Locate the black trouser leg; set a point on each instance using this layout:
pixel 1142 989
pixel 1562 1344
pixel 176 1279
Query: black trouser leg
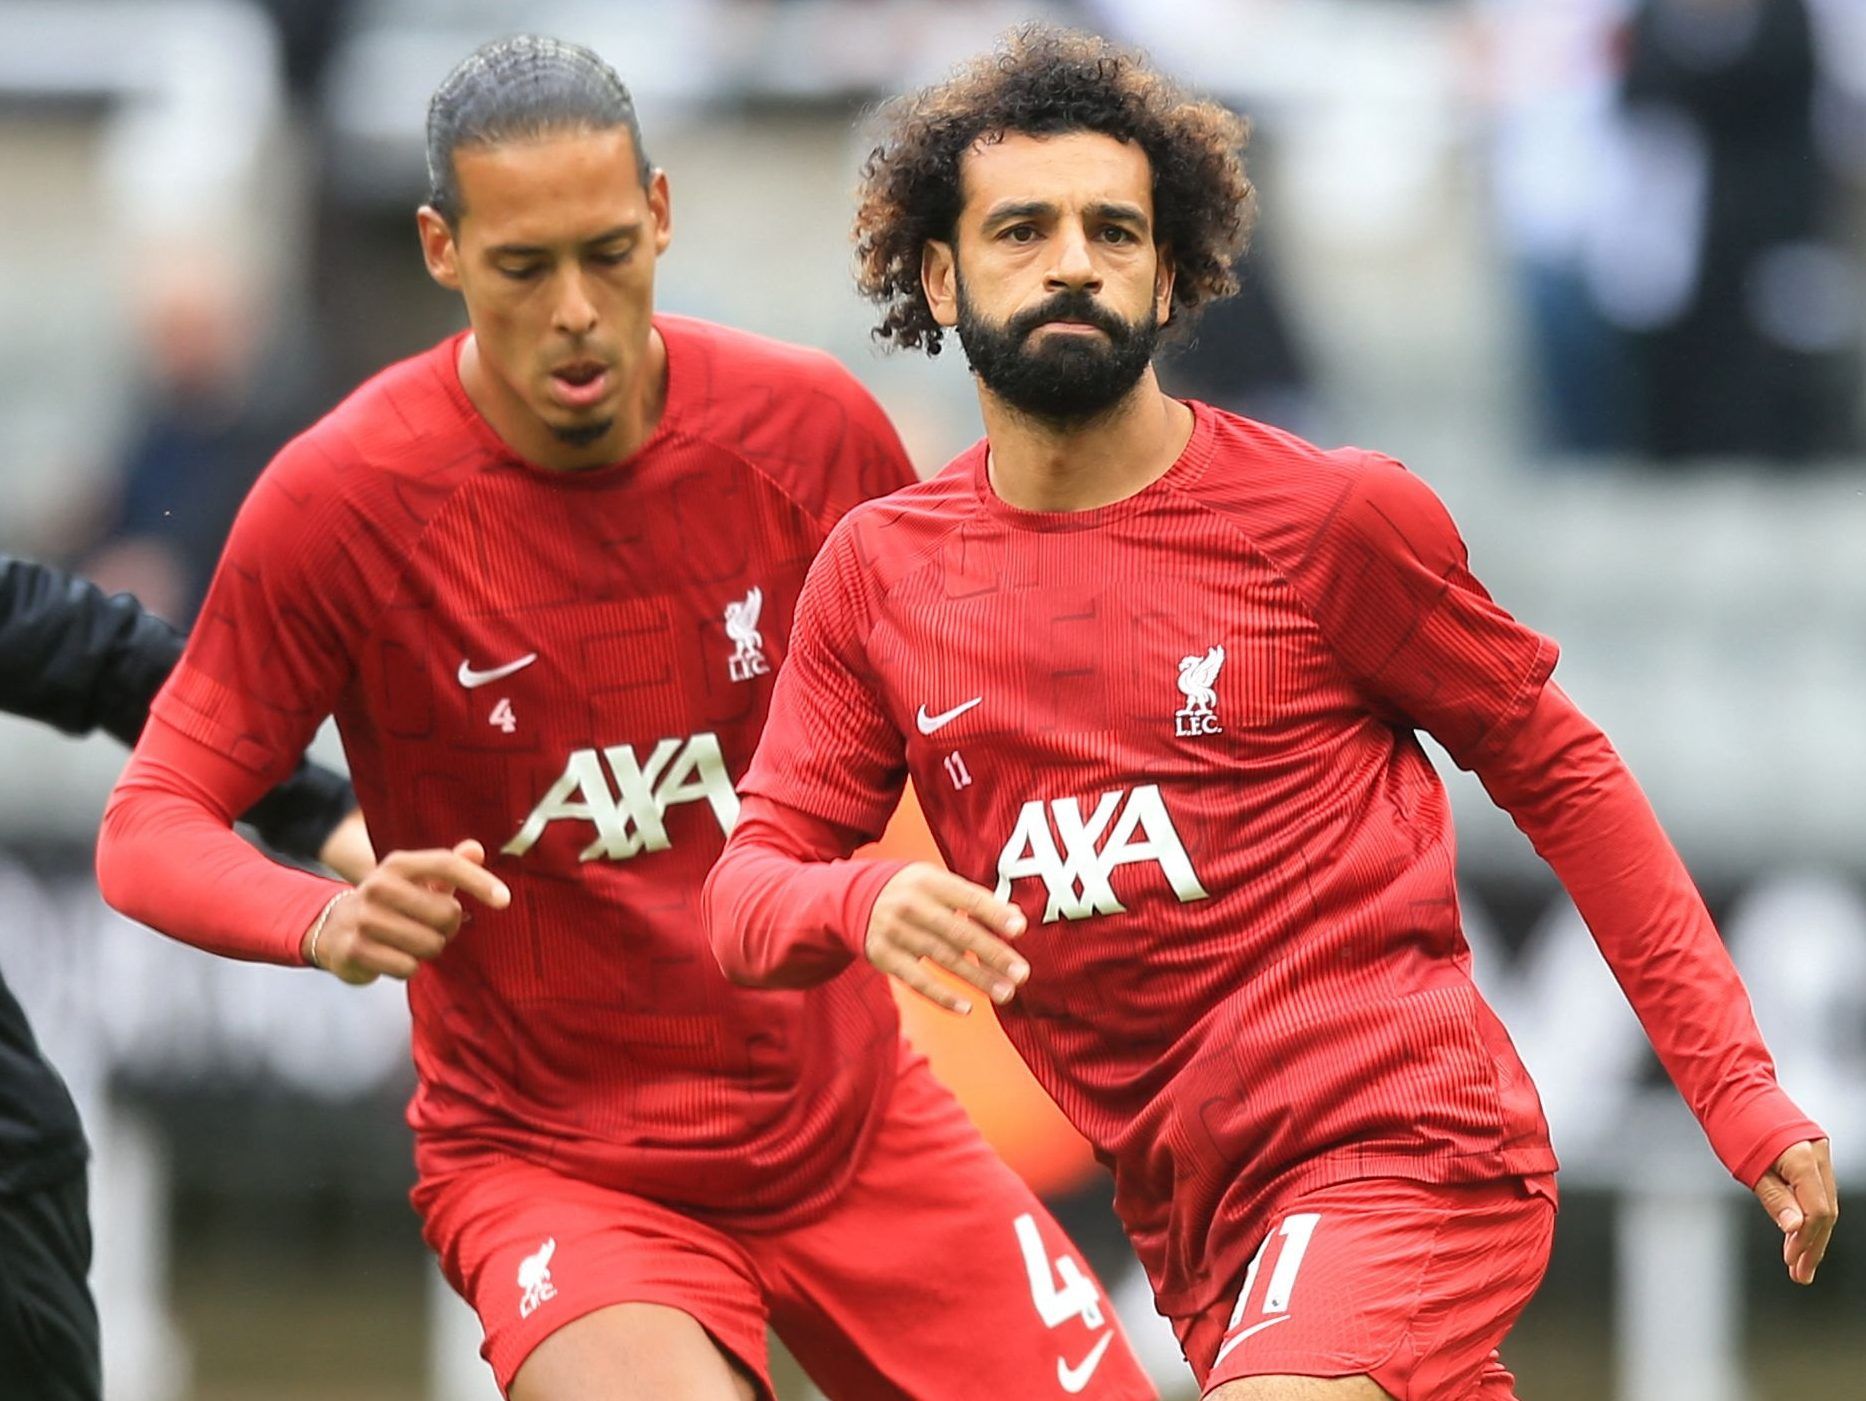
pixel 49 1347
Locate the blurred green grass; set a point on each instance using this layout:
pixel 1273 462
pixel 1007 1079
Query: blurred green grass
pixel 300 1275
pixel 266 1329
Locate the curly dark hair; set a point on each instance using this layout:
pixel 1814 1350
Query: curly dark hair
pixel 1040 81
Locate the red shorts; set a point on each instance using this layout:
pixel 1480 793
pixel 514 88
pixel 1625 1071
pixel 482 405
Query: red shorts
pixel 1413 1284
pixel 937 1274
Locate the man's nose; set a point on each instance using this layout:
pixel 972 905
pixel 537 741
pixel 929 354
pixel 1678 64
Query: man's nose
pixel 1073 267
pixel 575 312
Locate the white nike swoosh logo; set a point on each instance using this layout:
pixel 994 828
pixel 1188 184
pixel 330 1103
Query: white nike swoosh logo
pixel 1225 1351
pixel 471 678
pixel 929 723
pixel 1073 1379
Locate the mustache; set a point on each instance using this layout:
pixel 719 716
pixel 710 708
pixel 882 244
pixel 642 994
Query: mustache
pixel 1075 305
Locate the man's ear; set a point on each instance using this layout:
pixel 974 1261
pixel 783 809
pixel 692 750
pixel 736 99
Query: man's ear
pixel 438 249
pixel 1164 278
pixel 661 206
pixel 939 279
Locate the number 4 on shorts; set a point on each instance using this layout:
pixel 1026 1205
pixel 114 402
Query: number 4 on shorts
pixel 1296 1232
pixel 1066 1293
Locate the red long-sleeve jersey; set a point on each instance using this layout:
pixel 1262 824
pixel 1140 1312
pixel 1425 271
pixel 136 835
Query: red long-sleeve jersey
pixel 572 668
pixel 1179 732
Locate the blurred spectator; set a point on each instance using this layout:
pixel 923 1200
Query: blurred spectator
pixel 1743 319
pixel 1245 356
pixel 217 403
pixel 309 31
pixel 1547 73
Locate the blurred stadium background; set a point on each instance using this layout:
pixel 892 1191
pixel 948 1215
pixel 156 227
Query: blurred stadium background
pixel 1595 268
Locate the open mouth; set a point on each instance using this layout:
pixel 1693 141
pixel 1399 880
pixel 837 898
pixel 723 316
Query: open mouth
pixel 580 383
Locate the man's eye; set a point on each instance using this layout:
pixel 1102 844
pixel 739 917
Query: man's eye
pixel 1020 233
pixel 1115 234
pixel 522 273
pixel 612 260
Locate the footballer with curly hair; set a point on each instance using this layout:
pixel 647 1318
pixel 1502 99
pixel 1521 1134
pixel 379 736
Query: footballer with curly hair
pixel 1159 673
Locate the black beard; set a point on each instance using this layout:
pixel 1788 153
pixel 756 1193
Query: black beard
pixel 1063 380
pixel 584 436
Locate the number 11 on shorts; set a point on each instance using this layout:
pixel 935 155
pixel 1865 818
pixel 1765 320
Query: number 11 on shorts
pixel 1295 1234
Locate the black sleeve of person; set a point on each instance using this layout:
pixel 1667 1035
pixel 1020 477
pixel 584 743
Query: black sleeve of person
pixel 80 660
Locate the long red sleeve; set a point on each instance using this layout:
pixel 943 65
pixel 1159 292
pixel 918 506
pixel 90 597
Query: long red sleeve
pixel 783 907
pixel 167 854
pixel 1561 781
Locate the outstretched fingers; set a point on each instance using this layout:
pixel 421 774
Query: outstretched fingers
pixel 927 918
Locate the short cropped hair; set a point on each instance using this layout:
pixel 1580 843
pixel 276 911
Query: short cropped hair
pixel 1044 81
pixel 519 89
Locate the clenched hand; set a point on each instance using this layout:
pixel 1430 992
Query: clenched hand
pixel 403 913
pixel 1800 1196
